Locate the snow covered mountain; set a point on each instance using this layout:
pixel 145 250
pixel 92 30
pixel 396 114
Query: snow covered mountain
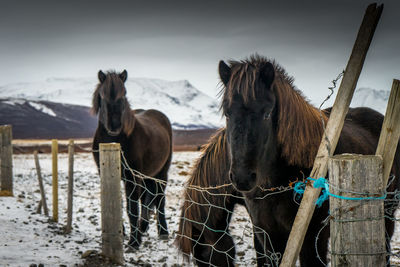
pixel 186 106
pixel 44 119
pixel 368 97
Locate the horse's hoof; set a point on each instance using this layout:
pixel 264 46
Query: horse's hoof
pixel 133 247
pixel 163 236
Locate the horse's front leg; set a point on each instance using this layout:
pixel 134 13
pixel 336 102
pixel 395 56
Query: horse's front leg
pixel 258 246
pixel 132 202
pixel 309 256
pixel 160 206
pixel 270 246
pixel 269 241
pixel 147 203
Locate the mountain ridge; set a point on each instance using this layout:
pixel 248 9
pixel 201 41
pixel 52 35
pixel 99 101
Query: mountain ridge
pixel 186 106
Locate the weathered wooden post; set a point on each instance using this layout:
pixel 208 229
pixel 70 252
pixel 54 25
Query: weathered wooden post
pixel 70 185
pixel 54 153
pixel 390 132
pixel 6 176
pixel 111 210
pixel 40 180
pixel 332 133
pixel 357 213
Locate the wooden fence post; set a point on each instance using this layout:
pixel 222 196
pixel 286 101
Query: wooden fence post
pixel 111 210
pixel 6 176
pixel 40 180
pixel 390 132
pixel 70 185
pixel 332 133
pixel 54 153
pixel 357 226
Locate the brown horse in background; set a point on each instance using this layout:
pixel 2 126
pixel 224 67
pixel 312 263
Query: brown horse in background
pixel 206 213
pixel 273 135
pixel 146 142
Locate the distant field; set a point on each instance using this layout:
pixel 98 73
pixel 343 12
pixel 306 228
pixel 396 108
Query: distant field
pixel 184 140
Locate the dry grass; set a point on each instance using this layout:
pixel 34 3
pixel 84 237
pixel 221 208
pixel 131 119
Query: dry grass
pixel 5 193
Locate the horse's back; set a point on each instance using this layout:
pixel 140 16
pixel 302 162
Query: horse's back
pixel 361 132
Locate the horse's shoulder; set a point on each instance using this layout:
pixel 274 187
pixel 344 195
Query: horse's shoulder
pixel 152 114
pixel 153 117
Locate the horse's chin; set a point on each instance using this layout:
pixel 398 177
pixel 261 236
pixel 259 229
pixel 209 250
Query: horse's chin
pixel 243 190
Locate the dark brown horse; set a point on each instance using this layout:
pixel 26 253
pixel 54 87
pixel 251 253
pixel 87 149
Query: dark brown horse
pixel 146 142
pixel 206 213
pixel 273 135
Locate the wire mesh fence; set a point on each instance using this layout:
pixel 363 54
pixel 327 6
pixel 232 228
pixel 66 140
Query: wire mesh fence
pixel 220 234
pixel 207 210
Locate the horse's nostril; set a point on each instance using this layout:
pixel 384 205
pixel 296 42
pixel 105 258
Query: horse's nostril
pixel 253 176
pixel 231 176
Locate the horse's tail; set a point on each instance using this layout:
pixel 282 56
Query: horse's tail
pixel 211 169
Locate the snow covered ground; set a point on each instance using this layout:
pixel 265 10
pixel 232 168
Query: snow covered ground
pixel 28 238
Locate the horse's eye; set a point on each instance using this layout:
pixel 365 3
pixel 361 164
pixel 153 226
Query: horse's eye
pixel 227 115
pixel 267 115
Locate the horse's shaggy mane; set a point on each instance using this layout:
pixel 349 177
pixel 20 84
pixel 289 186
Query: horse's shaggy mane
pixel 210 170
pixel 299 124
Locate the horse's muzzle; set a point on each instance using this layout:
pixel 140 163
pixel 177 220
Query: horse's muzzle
pixel 114 133
pixel 243 182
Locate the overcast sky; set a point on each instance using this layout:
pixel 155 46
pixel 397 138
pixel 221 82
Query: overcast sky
pixel 176 40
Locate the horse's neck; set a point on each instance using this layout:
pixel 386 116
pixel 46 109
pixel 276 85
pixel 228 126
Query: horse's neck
pixel 300 127
pixel 129 122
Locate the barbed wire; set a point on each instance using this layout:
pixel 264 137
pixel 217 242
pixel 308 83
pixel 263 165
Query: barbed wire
pixel 332 91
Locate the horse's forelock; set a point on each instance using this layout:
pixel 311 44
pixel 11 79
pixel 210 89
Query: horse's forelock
pixel 113 87
pixel 245 79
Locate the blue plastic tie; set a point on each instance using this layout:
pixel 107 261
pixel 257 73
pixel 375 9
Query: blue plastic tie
pixel 299 188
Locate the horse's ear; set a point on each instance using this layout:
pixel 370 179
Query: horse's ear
pixel 102 76
pixel 123 75
pixel 267 74
pixel 224 72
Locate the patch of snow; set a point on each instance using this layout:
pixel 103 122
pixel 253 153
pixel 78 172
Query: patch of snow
pixel 14 102
pixel 42 108
pixel 372 98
